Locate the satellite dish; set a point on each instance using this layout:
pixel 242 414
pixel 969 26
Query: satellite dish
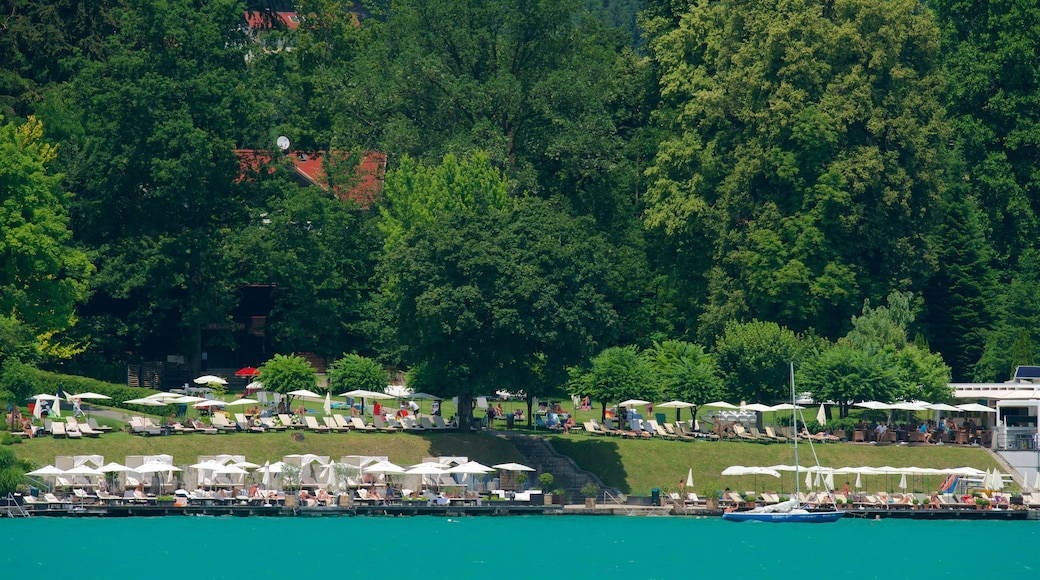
pixel 283 144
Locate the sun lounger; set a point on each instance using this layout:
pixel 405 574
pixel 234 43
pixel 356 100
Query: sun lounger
pixel 88 431
pixel 58 430
pixel 138 426
pixel 742 434
pixel 245 424
pixel 439 423
pixel 333 425
pixel 593 429
pixel 660 431
pixel 271 424
pixel 426 423
pixel 760 436
pixel 287 420
pixel 221 423
pixel 410 424
pixel 342 422
pixel 360 425
pixel 311 424
pixel 777 437
pixel 381 425
pixel 94 425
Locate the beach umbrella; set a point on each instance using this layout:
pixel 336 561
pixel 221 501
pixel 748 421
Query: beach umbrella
pixel 87 395
pixel 786 407
pixel 874 405
pixel 678 406
pixel 363 394
pixel 47 471
pixel 996 481
pixel 721 405
pixel 145 402
pixel 243 401
pixel 758 407
pixel 1036 482
pixel 689 478
pixel 902 482
pixel 209 403
pixel 83 470
pixel 470 467
pixel 247 372
pixel 976 408
pixel 328 404
pixel 821 415
pixel 305 394
pixel 254 386
pixel 513 467
pixel 209 379
pixel 808 480
pixel 633 403
pixel 383 467
pixel 859 483
pixel 828 481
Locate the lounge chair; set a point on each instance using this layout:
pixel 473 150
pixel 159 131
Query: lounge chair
pixel 439 423
pixel 426 423
pixel 94 425
pixel 660 431
pixel 342 422
pixel 593 429
pixel 58 430
pixel 333 425
pixel 220 422
pixel 87 431
pixel 311 424
pixel 271 424
pixel 246 425
pixel 410 424
pixel 360 425
pixel 181 429
pixel 771 433
pixel 139 426
pixel 287 420
pixel 742 434
pixel 673 430
pixel 381 425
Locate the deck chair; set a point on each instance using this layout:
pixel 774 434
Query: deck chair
pixel 311 424
pixel 246 425
pixel 439 423
pixel 360 425
pixel 182 429
pixel 638 430
pixel 381 425
pixel 410 424
pixel 58 430
pixel 760 436
pixel 425 423
pixel 221 423
pixel 333 425
pixel 742 434
pixel 271 424
pixel 87 431
pixel 287 420
pixel 94 425
pixel 342 422
pixel 592 429
pixel 771 433
pixel 660 431
pixel 673 430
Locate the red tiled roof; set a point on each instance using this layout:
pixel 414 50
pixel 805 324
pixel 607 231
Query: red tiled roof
pixel 267 19
pixel 309 168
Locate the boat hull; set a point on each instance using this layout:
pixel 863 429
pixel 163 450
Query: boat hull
pixel 792 518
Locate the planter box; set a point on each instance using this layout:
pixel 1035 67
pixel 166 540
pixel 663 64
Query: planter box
pixel 547 498
pixel 590 502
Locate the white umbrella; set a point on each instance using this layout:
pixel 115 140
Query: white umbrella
pixel 426 469
pixel 188 399
pixel 83 470
pixel 208 379
pixel 163 397
pixel 513 467
pixel 209 403
pixel 363 394
pixel 808 480
pixel 859 483
pixel 304 394
pixel 156 467
pixel 758 407
pixel 689 478
pixel 47 470
pixel 976 408
pixel 56 408
pixel 821 415
pixel 266 477
pixel 943 407
pixel 328 404
pixel 114 467
pixel 828 481
pixel 721 405
pixel 255 386
pixel 633 403
pixel 470 467
pixel 873 405
pixel 1036 483
pixel 902 481
pixel 243 401
pixel 786 407
pixel 44 397
pixel 383 467
pixel 87 395
pixel 145 402
pixel 996 481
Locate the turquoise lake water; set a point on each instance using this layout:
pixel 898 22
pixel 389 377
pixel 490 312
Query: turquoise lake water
pixel 512 547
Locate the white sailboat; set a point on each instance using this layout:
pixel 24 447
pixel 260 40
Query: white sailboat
pixel 790 511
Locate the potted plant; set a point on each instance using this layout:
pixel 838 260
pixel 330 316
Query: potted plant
pixel 164 500
pixel 590 491
pixel 545 481
pixel 291 479
pixel 711 498
pixel 981 503
pixel 559 496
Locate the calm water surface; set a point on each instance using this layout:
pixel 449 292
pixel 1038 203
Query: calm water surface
pixel 512 547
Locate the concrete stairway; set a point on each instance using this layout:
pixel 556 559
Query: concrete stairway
pixel 539 453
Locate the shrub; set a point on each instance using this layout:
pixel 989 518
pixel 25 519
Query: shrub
pixel 545 480
pixel 590 490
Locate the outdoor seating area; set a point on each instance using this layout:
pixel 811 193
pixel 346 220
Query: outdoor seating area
pixel 295 480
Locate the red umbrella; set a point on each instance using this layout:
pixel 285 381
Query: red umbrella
pixel 248 372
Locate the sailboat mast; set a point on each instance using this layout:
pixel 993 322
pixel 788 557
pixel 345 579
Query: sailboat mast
pixel 794 422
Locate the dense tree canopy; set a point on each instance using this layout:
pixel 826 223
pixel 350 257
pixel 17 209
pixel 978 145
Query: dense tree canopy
pixel 740 175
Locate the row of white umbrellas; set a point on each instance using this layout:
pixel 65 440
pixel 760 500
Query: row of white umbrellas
pixel 925 406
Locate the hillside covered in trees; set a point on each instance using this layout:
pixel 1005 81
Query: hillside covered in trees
pixel 695 192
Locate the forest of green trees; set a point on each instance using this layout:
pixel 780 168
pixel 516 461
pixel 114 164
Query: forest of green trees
pixel 693 191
